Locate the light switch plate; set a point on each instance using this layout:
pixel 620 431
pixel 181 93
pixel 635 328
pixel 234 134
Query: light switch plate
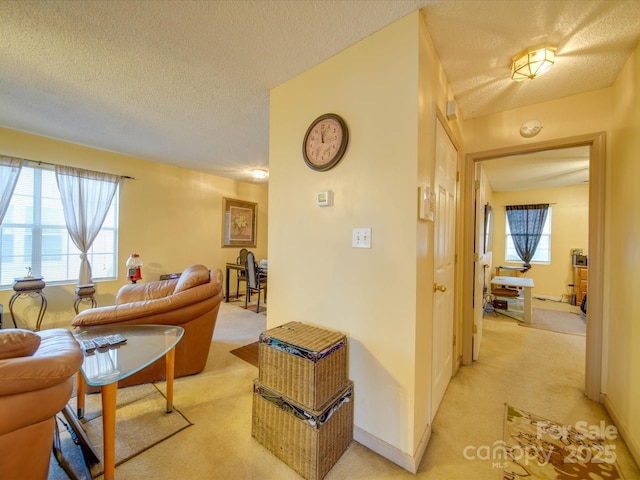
pixel 361 238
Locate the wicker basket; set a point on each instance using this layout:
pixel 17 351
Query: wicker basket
pixel 309 441
pixel 306 364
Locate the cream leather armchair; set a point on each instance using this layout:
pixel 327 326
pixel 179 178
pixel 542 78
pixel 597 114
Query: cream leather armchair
pixel 36 380
pixel 191 301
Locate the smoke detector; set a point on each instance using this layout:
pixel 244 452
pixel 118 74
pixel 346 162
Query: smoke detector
pixel 530 128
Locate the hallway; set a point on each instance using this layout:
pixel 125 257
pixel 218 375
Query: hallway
pixel 538 371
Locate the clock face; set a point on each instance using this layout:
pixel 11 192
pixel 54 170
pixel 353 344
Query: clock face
pixel 325 142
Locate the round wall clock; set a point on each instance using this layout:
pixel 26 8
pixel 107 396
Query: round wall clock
pixel 325 142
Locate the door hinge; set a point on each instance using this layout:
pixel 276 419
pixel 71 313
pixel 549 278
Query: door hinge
pixel 475 329
pixel 454 340
pixel 476 184
pixel 457 176
pixel 476 257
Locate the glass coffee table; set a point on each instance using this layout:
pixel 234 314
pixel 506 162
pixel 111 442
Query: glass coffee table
pixel 105 367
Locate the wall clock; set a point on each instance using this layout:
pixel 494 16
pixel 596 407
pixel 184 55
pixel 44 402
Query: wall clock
pixel 325 142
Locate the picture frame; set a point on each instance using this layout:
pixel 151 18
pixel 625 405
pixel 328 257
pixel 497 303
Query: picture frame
pixel 239 223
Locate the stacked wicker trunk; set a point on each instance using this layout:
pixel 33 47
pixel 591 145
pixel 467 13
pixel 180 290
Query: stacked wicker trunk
pixel 303 399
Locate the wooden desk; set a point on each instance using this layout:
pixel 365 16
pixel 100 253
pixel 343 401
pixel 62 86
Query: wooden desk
pixel 519 282
pixel 230 266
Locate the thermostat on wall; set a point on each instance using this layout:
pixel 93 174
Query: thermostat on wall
pixel 325 198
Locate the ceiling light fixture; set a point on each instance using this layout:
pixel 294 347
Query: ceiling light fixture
pixel 532 63
pixel 259 174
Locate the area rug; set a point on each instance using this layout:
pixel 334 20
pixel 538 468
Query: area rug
pixel 248 353
pixel 537 448
pixel 557 321
pixel 254 307
pixel 141 423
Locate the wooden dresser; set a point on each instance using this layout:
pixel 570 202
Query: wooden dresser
pixel 580 281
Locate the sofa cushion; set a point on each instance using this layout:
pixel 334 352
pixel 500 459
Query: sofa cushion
pixel 192 277
pixel 18 343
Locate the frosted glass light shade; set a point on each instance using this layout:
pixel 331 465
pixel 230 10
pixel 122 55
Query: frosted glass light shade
pixel 259 173
pixel 532 63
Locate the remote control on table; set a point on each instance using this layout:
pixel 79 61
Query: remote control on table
pixel 101 342
pixel 88 345
pixel 116 339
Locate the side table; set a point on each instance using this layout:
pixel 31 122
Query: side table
pixel 85 292
pixel 29 287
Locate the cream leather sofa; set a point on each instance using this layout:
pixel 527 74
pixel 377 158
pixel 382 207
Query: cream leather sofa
pixel 36 380
pixel 191 301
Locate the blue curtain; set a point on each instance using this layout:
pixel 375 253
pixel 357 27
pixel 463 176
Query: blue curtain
pixel 526 223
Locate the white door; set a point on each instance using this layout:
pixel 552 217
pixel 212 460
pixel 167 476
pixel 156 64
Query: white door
pixel 444 266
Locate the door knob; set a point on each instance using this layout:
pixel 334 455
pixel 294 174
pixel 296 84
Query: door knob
pixel 439 288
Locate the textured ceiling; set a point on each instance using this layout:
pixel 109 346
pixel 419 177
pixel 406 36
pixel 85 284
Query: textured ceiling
pixel 476 41
pixel 187 82
pixel 556 168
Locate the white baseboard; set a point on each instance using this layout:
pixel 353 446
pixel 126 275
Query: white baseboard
pixel 391 453
pixel 632 445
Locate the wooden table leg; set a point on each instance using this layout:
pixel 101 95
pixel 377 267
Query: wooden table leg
pixel 109 393
pixel 80 389
pixel 171 363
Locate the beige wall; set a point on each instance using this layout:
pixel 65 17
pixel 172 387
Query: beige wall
pixel 170 216
pixel 569 229
pixel 623 387
pixel 385 88
pixel 569 116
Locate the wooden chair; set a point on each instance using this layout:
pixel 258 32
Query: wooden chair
pixel 242 274
pixel 256 281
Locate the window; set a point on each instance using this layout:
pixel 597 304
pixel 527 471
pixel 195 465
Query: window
pixel 33 234
pixel 543 252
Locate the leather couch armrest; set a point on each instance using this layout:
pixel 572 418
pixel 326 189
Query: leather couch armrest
pixel 58 357
pixel 137 292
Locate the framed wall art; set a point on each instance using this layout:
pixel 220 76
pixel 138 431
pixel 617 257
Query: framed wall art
pixel 239 223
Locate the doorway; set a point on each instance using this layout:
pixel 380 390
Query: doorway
pixel 594 348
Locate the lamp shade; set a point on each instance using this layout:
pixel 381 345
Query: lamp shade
pixel 532 63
